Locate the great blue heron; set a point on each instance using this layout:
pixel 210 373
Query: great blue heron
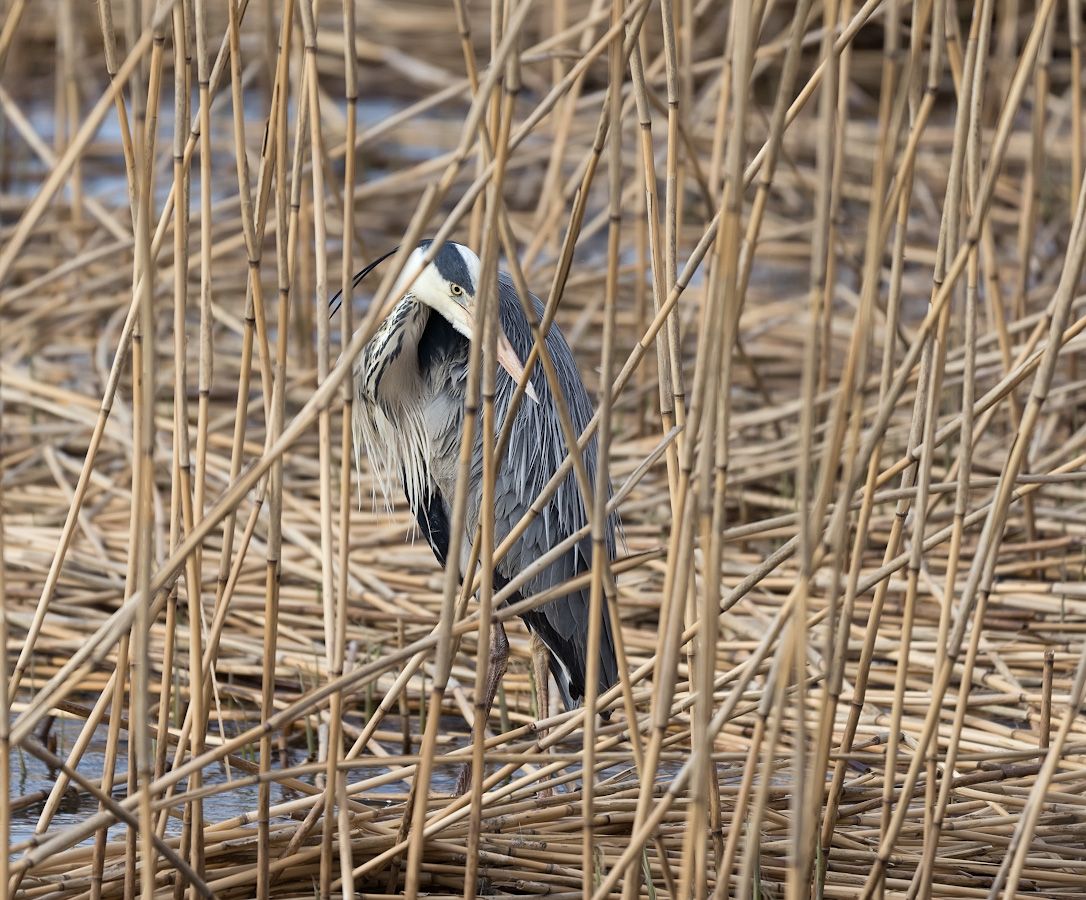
pixel 410 383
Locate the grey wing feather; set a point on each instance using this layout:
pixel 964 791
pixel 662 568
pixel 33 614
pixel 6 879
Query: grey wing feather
pixel 536 449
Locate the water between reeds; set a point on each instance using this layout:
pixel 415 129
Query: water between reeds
pixel 32 780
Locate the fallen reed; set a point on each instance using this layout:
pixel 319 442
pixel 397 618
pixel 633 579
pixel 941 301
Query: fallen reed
pixel 820 264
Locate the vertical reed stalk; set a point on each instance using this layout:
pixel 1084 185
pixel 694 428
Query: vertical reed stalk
pixel 833 578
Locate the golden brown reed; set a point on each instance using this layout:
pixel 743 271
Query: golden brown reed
pixel 850 235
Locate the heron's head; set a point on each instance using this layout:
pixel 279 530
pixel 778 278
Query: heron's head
pixel 448 285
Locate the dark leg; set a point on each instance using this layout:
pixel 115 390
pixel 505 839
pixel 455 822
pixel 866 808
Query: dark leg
pixel 499 661
pixel 541 667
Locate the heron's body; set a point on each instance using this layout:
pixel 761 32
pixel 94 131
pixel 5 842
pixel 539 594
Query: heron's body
pixel 411 382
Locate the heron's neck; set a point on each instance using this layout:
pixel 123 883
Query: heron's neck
pixel 397 375
pixel 387 370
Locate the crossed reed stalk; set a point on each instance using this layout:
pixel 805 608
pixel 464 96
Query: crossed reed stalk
pixel 820 263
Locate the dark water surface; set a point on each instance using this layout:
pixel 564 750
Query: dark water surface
pixel 32 780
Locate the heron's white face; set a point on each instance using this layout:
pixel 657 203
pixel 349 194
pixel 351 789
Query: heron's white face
pixel 448 285
pixel 450 278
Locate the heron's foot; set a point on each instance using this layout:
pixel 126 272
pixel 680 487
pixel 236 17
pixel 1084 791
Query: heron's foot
pixel 463 780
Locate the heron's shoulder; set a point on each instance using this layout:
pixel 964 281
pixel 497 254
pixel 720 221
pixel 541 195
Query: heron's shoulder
pixel 517 327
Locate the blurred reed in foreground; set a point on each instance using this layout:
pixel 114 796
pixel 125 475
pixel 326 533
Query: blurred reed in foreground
pixel 842 244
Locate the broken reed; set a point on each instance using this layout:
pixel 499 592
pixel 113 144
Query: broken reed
pixel 850 238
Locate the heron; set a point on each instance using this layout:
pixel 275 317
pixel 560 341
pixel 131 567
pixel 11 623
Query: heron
pixel 410 386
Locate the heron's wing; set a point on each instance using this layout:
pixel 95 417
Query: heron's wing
pixel 563 622
pixel 536 449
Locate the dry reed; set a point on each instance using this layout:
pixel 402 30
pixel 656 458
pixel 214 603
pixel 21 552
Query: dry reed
pixel 820 264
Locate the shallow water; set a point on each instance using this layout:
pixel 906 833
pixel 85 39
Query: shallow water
pixel 30 776
pixel 31 781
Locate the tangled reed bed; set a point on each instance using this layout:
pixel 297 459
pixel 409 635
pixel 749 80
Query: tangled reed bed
pixel 830 264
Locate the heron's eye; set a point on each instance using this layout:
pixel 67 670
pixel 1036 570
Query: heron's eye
pixel 457 290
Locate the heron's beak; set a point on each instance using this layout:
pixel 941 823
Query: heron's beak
pixel 511 363
pixel 463 320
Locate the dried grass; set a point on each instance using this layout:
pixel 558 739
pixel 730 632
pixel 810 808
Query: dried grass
pixel 851 238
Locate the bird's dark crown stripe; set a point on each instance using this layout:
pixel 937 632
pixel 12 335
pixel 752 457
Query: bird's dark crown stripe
pixel 451 265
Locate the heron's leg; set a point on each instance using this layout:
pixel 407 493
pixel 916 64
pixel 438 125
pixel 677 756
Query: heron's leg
pixel 541 667
pixel 499 661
